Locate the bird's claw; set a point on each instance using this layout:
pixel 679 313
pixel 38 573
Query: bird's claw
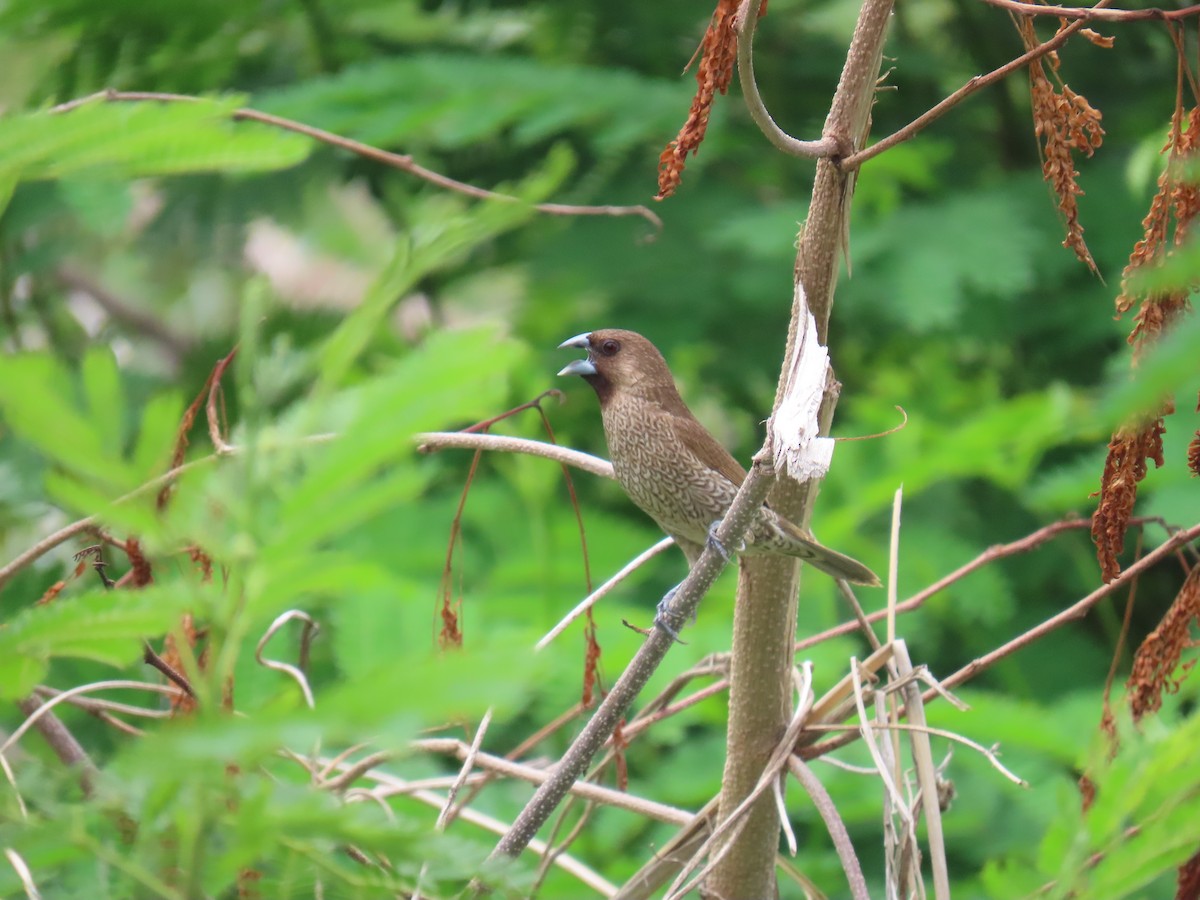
pixel 666 619
pixel 715 543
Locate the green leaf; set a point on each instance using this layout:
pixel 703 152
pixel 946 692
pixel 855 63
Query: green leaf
pixel 106 403
pixel 104 626
pixel 142 138
pixel 1170 364
pixel 452 376
pixel 529 100
pixel 156 436
pixel 37 399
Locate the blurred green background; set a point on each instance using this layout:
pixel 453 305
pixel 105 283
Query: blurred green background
pixel 140 242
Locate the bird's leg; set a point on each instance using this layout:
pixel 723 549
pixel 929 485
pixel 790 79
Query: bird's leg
pixel 717 545
pixel 663 613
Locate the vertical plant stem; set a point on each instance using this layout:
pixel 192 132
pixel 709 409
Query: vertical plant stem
pixel 765 614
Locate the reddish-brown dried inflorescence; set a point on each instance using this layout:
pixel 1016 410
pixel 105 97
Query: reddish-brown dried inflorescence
pixel 1193 453
pixel 182 703
pixel 140 573
pixel 1174 206
pixel 1065 124
pixel 188 420
pixel 1128 452
pixel 591 661
pixel 1156 668
pixel 1176 199
pixel 1188 883
pixel 718 54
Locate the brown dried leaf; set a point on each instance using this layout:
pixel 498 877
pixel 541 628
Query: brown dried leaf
pixel 1096 38
pixel 51 593
pixel 202 561
pixel 1175 204
pixel 1156 668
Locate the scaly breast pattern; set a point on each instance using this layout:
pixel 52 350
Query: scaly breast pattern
pixel 660 474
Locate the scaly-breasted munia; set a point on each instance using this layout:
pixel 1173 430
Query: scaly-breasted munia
pixel 671 466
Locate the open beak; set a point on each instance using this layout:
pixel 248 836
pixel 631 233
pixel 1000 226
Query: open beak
pixel 579 366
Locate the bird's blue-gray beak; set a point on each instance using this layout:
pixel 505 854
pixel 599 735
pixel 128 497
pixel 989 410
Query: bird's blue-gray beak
pixel 579 366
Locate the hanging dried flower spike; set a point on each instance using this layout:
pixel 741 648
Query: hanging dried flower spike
pixel 718 54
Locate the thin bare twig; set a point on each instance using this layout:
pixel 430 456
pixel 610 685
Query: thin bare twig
pixel 18 863
pixel 210 407
pixel 446 816
pixel 38 713
pixel 46 544
pixel 999 551
pixel 152 659
pixel 351 773
pixel 582 789
pixel 390 784
pixel 439 440
pixel 1076 611
pixel 975 84
pixel 726 832
pixel 591 599
pixel 69 751
pixel 95 705
pixel 833 824
pixel 986 753
pixel 395 160
pixel 11 778
pixel 922 754
pixel 1097 14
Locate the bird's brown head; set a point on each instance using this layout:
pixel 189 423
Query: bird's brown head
pixel 619 361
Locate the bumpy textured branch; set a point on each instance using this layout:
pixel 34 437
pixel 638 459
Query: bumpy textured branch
pixel 547 797
pixel 765 612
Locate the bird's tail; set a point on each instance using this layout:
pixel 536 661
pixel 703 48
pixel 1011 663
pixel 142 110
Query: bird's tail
pixel 838 565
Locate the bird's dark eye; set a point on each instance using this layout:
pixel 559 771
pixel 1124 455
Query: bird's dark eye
pixel 609 347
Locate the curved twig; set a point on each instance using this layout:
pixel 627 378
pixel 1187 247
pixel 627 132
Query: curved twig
pixel 293 672
pixel 744 25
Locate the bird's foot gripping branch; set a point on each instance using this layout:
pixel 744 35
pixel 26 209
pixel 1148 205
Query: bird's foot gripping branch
pixel 665 616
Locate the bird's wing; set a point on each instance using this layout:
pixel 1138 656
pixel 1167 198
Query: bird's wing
pixel 696 438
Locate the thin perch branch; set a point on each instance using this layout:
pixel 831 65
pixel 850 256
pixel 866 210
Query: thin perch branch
pixel 647 660
pixel 438 440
